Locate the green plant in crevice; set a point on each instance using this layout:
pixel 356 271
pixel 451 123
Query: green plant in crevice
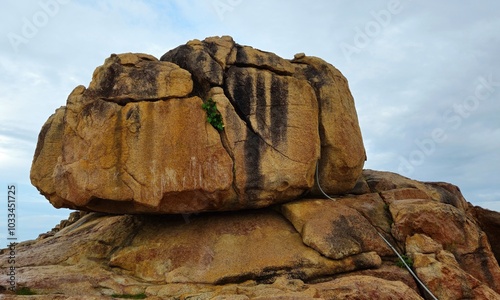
pixel 406 259
pixel 213 115
pixel 25 291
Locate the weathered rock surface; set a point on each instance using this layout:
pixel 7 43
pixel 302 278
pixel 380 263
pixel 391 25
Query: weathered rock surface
pixel 490 224
pixel 305 249
pixel 137 140
pixel 175 209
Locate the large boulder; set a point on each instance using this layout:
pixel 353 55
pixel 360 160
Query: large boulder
pixel 306 249
pixel 137 140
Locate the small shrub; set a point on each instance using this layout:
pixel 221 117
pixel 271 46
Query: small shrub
pixel 25 291
pixel 213 115
pixel 406 259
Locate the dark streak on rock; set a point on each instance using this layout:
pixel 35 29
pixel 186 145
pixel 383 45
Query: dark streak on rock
pixel 279 109
pixel 482 253
pixel 181 56
pixel 318 78
pixel 106 88
pixel 96 109
pixel 260 101
pixel 211 47
pixel 343 236
pixel 118 145
pixel 241 55
pixel 253 149
pixel 266 276
pixel 240 94
pixel 133 118
pixel 144 79
pixel 130 112
pixel 194 61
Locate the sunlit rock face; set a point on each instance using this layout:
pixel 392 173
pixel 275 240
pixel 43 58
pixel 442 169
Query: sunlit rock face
pixel 137 139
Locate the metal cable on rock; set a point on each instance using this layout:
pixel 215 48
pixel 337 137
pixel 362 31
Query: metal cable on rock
pixel 383 238
pixel 319 185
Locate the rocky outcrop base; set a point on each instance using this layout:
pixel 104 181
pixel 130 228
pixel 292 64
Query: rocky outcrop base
pixel 306 249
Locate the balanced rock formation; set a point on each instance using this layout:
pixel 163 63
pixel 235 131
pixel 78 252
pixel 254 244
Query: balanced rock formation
pixel 137 140
pixel 306 249
pixel 172 206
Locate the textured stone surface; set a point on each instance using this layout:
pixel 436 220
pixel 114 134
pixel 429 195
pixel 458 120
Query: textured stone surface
pixel 490 223
pixel 139 77
pixel 365 287
pixel 333 228
pixel 116 164
pixel 221 249
pixel 456 232
pixel 342 157
pixel 47 154
pixel 305 249
pixel 137 141
pixel 447 280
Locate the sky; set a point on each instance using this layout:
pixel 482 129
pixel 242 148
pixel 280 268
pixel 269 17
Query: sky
pixel 425 76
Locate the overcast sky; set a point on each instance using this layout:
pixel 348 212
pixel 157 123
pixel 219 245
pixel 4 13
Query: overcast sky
pixel 425 75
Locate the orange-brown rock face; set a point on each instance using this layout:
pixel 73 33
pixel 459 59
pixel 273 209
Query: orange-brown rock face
pixel 137 140
pixel 304 249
